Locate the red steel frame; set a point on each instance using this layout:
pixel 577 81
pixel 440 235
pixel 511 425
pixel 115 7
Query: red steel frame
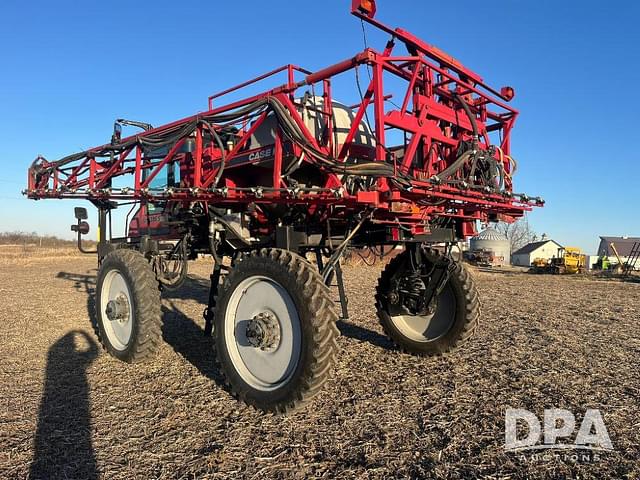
pixel 429 118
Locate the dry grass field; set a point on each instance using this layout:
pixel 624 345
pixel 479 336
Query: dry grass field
pixel 68 410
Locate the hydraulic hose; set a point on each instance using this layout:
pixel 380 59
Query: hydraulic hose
pixel 290 129
pixel 455 166
pixel 471 116
pixel 221 146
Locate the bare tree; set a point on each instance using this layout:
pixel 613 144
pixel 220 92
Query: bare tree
pixel 519 233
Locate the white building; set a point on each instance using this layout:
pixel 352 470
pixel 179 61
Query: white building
pixel 526 255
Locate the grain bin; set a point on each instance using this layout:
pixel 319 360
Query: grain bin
pixel 490 240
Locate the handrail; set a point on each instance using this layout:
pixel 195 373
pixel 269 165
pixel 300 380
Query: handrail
pixel 290 68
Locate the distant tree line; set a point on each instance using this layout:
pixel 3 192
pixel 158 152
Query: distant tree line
pixel 36 240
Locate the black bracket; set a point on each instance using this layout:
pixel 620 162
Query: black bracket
pixel 439 278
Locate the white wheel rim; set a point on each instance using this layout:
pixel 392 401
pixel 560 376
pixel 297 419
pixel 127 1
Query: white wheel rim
pixel 118 331
pixel 428 328
pixel 264 369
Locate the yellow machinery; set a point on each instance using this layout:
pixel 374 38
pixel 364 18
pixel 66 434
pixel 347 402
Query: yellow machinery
pixel 540 265
pixel 569 260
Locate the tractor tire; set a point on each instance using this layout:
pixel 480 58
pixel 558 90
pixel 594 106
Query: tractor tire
pixel 128 316
pixel 275 330
pixel 453 322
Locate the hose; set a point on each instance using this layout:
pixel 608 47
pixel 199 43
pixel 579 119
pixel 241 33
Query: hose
pixel 512 162
pixel 455 166
pixel 472 118
pixel 293 132
pixel 289 127
pixel 171 282
pixel 223 155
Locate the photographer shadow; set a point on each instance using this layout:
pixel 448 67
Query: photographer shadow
pixel 63 446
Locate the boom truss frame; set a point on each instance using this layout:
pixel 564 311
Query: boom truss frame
pixel 430 117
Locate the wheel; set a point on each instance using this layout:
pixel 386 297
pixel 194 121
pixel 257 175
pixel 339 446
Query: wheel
pixel 437 328
pixel 128 319
pixel 275 330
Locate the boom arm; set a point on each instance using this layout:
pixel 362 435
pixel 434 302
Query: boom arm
pixel 442 151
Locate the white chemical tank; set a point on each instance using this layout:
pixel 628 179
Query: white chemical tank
pixel 310 108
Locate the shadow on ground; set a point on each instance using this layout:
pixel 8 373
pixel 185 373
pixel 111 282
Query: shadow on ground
pixel 63 444
pixel 181 331
pixel 187 337
pixel 63 447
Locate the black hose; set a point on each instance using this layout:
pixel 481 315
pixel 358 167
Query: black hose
pixel 289 127
pixel 230 229
pixel 223 155
pixel 335 258
pixel 472 118
pixel 455 166
pixel 181 249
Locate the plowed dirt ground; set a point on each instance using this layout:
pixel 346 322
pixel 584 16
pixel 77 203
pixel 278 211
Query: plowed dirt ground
pixel 68 410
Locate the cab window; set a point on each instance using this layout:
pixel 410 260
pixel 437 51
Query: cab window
pixel 168 176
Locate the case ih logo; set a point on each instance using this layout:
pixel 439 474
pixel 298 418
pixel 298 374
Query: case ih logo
pixel 558 423
pixel 261 155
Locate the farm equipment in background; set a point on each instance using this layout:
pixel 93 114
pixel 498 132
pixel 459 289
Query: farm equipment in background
pixel 570 260
pixel 632 259
pixel 618 267
pixel 540 265
pixel 266 183
pixel 484 258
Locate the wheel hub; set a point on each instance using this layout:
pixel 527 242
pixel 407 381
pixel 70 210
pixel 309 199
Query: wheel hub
pixel 118 309
pixel 393 297
pixel 263 331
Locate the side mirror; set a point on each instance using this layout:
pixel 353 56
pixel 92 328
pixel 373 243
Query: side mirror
pixel 80 213
pixel 82 228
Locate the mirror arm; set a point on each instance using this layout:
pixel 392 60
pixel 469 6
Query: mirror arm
pixel 77 228
pixel 82 249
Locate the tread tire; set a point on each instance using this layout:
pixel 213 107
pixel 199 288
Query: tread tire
pixel 467 311
pixel 145 295
pixel 318 316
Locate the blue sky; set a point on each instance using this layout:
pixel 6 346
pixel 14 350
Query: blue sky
pixel 70 68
